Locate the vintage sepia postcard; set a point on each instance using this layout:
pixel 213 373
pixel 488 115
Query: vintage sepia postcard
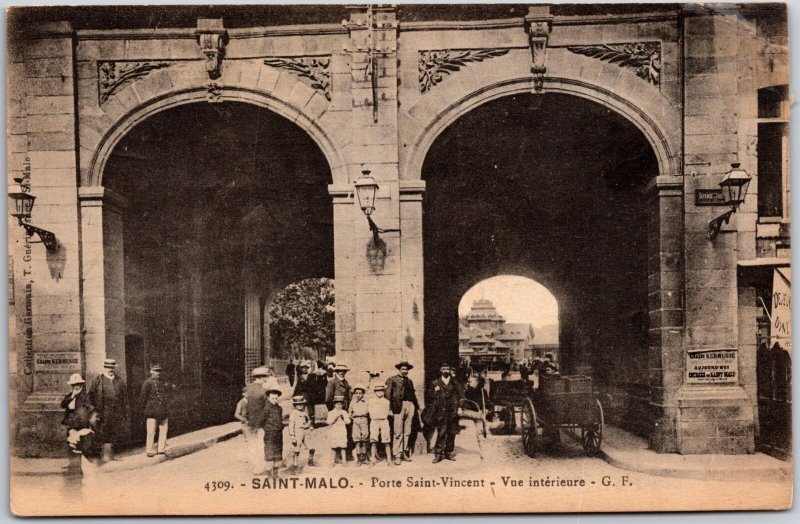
pixel 390 259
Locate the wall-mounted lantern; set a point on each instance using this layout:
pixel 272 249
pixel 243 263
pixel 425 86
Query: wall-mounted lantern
pixel 734 190
pixel 20 205
pixel 366 188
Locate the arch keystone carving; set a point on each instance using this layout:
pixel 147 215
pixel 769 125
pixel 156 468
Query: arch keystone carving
pixel 212 37
pixel 538 23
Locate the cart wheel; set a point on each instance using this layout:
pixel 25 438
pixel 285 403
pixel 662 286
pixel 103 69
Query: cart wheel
pixel 592 437
pixel 528 427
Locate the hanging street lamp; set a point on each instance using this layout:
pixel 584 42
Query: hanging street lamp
pixel 20 206
pixel 734 190
pixel 366 188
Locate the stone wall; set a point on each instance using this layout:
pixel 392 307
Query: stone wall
pixel 43 82
pixel 74 95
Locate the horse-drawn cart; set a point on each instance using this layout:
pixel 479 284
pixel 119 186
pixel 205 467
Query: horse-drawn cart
pixel 562 402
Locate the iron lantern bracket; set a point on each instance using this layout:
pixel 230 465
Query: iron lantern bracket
pixel 715 225
pixel 377 230
pixel 46 237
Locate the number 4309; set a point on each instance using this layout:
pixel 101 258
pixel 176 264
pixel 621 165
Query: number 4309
pixel 219 485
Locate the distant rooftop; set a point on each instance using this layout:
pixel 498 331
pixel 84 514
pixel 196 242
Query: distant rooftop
pixel 483 309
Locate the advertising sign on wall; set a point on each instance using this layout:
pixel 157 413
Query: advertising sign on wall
pixel 712 366
pixel 57 362
pixel 781 329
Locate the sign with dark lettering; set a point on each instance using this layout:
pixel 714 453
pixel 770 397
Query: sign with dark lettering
pixel 709 197
pixel 781 321
pixel 57 362
pixel 712 366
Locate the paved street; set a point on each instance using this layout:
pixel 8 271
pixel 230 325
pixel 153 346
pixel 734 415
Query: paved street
pixel 502 479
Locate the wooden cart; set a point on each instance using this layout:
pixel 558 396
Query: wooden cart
pixel 509 397
pixel 562 402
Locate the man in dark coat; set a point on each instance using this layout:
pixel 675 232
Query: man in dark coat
pixel 108 394
pixel 305 386
pixel 338 386
pixel 155 400
pixel 441 412
pixel 256 397
pixel 72 402
pixel 75 399
pixel 273 427
pixel 404 406
pixel 290 371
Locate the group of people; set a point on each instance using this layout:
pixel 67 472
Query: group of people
pixel 359 427
pixel 97 418
pixel 363 422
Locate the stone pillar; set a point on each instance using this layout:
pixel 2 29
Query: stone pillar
pixel 412 279
pixel 370 275
pixel 266 342
pixel 253 353
pixel 713 417
pixel 665 305
pixel 103 269
pixel 45 130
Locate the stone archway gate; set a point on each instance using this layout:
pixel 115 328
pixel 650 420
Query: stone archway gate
pixel 373 93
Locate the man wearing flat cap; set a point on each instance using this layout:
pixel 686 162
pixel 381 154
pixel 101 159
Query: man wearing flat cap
pixel 404 405
pixel 108 394
pixel 155 400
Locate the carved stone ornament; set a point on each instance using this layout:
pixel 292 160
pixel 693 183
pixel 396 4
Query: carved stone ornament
pixel 644 57
pixel 314 70
pixel 538 23
pixel 214 93
pixel 111 75
pixel 434 64
pixel 212 37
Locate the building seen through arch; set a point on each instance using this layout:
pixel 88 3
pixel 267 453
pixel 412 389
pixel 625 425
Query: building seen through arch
pixel 488 339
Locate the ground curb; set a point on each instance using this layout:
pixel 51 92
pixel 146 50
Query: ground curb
pixel 141 461
pixel 777 474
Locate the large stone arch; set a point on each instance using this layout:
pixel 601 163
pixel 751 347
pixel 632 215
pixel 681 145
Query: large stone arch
pixel 653 113
pixel 183 83
pixel 101 126
pixel 436 122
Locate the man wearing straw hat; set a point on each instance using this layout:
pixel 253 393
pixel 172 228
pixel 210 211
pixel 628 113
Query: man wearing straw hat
pixel 74 399
pixel 256 397
pixel 71 403
pixel 108 395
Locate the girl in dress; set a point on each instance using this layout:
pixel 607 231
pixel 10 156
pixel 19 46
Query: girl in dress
pixel 338 419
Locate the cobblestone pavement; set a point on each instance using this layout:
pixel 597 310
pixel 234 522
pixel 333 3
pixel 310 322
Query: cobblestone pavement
pixel 187 485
